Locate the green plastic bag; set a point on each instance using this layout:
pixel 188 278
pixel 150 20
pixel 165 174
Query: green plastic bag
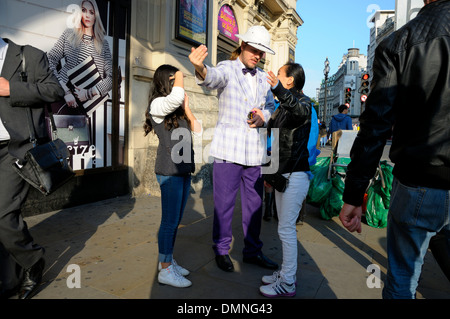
pixel 332 205
pixel 320 162
pixel 378 199
pixel 319 186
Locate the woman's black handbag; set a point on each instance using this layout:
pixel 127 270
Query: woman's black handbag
pixel 46 166
pixel 277 181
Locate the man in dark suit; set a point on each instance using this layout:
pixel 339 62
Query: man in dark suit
pixel 19 256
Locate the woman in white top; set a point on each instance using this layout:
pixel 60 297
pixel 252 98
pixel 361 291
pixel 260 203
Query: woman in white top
pixel 167 115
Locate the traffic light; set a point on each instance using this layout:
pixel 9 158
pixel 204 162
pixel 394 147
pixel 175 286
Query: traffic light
pixel 365 84
pixel 348 95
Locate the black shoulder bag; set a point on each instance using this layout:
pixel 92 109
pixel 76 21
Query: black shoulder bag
pixel 46 166
pixel 278 181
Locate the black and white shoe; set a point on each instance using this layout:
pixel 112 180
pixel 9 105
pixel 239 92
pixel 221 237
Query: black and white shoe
pixel 279 288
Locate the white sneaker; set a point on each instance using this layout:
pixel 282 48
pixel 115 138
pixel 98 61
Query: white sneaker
pixel 182 271
pixel 170 276
pixel 270 279
pixel 278 289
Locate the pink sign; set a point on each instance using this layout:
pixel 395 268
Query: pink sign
pixel 227 23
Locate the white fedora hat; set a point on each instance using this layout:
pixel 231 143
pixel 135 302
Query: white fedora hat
pixel 258 37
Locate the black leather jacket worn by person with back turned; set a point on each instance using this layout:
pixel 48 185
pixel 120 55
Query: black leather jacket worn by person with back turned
pixel 293 118
pixel 410 99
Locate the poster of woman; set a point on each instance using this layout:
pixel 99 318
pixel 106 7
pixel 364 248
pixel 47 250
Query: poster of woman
pixel 85 42
pixel 81 59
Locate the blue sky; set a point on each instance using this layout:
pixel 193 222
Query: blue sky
pixel 330 28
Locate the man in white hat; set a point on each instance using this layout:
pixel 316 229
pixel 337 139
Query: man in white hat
pixel 245 104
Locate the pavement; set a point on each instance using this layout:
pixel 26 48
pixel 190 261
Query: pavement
pixel 109 248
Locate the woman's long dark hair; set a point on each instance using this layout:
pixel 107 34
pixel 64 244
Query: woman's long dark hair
pixel 162 86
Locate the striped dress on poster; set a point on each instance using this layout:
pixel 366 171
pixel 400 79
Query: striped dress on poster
pixel 85 76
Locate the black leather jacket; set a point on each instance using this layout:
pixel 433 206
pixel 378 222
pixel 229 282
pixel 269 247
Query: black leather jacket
pixel 293 118
pixel 410 99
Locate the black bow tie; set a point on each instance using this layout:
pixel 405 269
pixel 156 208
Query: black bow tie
pixel 247 70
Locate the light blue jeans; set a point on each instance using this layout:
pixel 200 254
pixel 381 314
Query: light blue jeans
pixel 416 214
pixel 289 205
pixel 174 195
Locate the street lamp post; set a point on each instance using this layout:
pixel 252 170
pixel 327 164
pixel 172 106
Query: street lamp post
pixel 326 70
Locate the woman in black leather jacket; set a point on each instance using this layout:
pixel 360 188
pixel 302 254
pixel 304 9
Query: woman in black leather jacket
pixel 293 120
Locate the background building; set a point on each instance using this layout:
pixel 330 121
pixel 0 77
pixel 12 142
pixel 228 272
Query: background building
pixel 383 25
pixel 348 76
pixel 156 43
pixel 406 10
pixel 354 65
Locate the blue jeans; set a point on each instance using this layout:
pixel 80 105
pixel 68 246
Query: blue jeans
pixel 174 195
pixel 415 215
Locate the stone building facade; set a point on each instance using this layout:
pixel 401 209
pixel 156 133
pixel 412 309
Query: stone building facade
pixel 154 43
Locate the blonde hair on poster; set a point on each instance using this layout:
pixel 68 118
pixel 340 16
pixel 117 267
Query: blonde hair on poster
pixel 78 27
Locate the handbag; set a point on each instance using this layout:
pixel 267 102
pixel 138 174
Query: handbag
pixel 73 128
pixel 46 166
pixel 277 181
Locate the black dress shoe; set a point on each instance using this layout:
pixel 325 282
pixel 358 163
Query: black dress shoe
pixel 224 262
pixel 261 261
pixel 31 279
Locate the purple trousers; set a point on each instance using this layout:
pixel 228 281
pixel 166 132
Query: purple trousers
pixel 228 178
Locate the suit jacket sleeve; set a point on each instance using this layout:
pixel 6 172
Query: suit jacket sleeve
pixel 269 107
pixel 216 77
pixel 41 87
